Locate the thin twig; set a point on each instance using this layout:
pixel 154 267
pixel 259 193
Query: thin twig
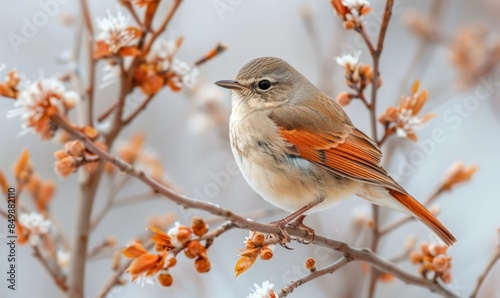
pixel 134 199
pixel 60 232
pixel 242 223
pixel 113 191
pixel 494 259
pixel 376 53
pixel 424 44
pixel 327 270
pixel 163 25
pixel 133 13
pixel 139 109
pixel 107 112
pixel 56 275
pixel 92 63
pixel 114 279
pixel 86 195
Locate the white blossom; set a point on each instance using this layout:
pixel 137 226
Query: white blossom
pixel 407 122
pixel 186 73
pixel 266 291
pixel 349 60
pixel 37 97
pixel 162 52
pixel 115 31
pixel 144 280
pixel 37 226
pixel 355 4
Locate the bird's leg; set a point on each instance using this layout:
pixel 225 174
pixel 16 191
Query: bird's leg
pixel 299 217
pixel 309 231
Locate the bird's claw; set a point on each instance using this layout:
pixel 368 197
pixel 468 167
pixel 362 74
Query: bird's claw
pixel 309 231
pixel 284 236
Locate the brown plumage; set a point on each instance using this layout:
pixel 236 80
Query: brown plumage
pixel 314 156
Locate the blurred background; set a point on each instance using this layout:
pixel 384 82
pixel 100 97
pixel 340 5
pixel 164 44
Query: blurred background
pixel 194 148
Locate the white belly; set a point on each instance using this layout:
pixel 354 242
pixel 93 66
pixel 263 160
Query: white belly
pixel 293 189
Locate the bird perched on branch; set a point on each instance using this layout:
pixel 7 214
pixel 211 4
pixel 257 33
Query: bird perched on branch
pixel 299 150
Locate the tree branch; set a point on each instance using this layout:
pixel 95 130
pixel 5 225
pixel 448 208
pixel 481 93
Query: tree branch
pixel 163 25
pixel 327 270
pixel 56 275
pixel 487 269
pixel 242 223
pixel 114 279
pixel 139 109
pixel 90 48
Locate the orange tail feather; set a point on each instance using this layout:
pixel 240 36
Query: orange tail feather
pixel 424 216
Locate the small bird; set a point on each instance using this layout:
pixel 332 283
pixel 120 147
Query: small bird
pixel 298 149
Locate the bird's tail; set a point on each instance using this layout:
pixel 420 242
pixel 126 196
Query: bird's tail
pixel 424 216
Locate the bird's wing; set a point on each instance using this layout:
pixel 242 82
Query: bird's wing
pixel 333 143
pixel 321 132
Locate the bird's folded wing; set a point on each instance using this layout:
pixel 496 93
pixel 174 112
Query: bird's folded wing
pixel 333 144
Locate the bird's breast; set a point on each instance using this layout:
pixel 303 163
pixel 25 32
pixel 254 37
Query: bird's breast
pixel 289 182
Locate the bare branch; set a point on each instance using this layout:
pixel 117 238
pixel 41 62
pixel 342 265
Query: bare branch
pixel 327 270
pixel 54 272
pixel 114 279
pixel 242 223
pixel 494 259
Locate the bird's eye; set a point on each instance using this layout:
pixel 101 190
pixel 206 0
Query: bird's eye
pixel 264 85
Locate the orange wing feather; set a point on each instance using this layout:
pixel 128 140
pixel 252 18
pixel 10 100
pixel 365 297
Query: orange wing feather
pixel 356 156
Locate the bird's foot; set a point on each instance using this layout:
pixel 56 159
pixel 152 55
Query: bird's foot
pixel 284 236
pixel 309 231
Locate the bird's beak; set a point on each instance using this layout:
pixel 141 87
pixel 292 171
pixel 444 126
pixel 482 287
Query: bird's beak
pixel 229 84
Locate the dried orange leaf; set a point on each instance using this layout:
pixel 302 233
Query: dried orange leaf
pixel 134 250
pixel 3 183
pixel 22 163
pixel 415 86
pixel 243 264
pixel 143 263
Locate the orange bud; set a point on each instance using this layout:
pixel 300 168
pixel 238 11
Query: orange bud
pixel 65 166
pixel 367 72
pixel 415 257
pixel 183 234
pixel 166 280
pixel 446 276
pixel 195 248
pixel 202 265
pixel 258 238
pixel 198 226
pixel 424 247
pixel 60 154
pixel 90 132
pixel 171 262
pixel 344 99
pixel 311 264
pixel 266 254
pixel 75 148
pixel 440 263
